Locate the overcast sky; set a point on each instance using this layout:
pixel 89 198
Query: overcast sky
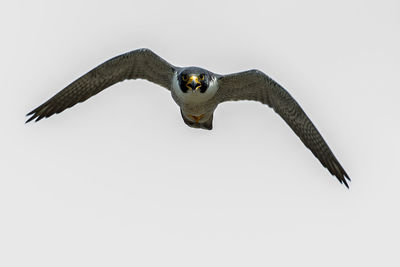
pixel 120 180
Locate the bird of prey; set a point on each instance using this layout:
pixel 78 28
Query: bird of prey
pixel 197 92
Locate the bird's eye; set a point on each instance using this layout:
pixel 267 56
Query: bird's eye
pixel 184 77
pixel 201 76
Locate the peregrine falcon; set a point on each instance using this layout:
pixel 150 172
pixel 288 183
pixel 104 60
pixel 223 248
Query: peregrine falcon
pixel 197 92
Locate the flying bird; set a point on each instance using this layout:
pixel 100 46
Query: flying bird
pixel 197 92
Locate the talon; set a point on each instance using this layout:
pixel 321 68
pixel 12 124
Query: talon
pixel 197 118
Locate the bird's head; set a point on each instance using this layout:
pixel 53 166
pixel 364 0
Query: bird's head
pixel 194 85
pixel 193 80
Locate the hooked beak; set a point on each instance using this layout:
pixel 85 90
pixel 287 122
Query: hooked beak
pixel 193 83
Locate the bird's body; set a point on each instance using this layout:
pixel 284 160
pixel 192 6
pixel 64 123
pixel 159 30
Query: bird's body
pixel 197 92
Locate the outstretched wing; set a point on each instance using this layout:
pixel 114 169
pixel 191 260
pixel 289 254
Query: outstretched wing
pixel 255 85
pixel 137 64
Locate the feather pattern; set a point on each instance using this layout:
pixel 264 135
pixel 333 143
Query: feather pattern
pixel 137 64
pixel 257 86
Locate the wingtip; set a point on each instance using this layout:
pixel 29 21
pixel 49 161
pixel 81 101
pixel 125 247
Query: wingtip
pixel 345 179
pixel 29 119
pixel 346 184
pixel 31 115
pixel 338 171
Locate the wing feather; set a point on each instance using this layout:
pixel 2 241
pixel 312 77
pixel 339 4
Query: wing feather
pixel 137 64
pixel 257 86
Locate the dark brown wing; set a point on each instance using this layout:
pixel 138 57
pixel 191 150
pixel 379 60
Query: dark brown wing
pixel 255 85
pixel 138 64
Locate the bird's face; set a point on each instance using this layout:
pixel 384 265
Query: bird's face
pixel 194 80
pixel 193 85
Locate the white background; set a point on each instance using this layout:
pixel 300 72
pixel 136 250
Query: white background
pixel 120 180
